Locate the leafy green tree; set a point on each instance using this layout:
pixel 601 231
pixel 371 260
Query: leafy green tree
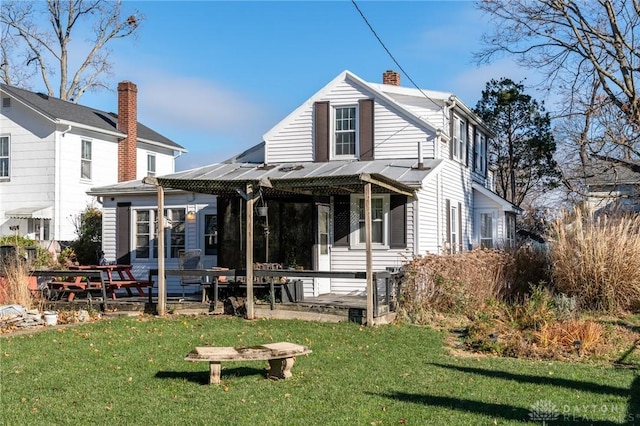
pixel 523 149
pixel 89 242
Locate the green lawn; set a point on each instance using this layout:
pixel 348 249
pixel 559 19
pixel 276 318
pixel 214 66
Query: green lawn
pixel 131 371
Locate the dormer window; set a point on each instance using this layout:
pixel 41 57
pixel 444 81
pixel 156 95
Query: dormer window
pixel 345 131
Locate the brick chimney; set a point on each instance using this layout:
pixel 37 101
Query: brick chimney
pixel 127 123
pixel 391 77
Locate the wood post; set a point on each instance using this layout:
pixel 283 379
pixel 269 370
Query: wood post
pixel 249 251
pixel 369 259
pixel 162 288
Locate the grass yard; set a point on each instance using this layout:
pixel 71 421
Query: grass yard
pixel 131 371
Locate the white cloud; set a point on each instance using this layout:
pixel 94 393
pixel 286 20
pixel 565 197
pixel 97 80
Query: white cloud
pixel 200 105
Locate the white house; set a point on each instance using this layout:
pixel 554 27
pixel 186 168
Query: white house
pixel 423 153
pixel 53 151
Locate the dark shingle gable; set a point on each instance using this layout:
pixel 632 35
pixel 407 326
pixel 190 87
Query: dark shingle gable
pixel 57 109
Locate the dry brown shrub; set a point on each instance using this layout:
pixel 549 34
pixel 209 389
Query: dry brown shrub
pixel 464 283
pixel 15 272
pixel 597 259
pixel 452 283
pixel 570 335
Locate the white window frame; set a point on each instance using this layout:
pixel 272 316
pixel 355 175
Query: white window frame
pixel 5 158
pixel 453 227
pixel 459 140
pixel 151 168
pixel 174 225
pixel 357 223
pixel 492 238
pixel 86 160
pixel 510 230
pixel 209 234
pixel 481 153
pixel 355 131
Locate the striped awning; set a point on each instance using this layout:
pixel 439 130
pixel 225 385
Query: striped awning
pixel 30 213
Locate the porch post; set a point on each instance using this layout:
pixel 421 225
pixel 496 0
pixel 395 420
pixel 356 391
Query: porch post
pixel 162 290
pixel 249 252
pixel 369 261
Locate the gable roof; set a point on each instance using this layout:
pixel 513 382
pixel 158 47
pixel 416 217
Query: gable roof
pixel 389 95
pixel 64 112
pixel 603 173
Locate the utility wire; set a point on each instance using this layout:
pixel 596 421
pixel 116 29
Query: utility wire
pixel 389 52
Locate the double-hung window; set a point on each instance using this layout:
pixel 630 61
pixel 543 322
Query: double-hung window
pixel 85 160
pixel 481 153
pixel 486 230
pixel 453 225
pixel 4 157
pixel 146 237
pixel 510 231
pixel 379 220
pixel 151 165
pixel 459 140
pixel 345 131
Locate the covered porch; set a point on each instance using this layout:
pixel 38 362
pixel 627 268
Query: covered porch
pixel 288 214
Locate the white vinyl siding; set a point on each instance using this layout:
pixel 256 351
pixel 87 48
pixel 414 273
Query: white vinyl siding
pixel 394 136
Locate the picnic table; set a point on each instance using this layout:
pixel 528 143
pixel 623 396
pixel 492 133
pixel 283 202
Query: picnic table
pixel 118 277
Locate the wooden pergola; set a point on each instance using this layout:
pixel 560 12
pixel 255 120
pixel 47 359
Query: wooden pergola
pixel 253 180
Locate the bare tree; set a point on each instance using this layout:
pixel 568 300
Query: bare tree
pixel 590 52
pixel 36 36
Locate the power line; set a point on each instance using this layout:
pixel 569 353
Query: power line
pixel 389 52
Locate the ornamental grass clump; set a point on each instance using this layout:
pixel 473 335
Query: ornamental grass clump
pixel 14 272
pixel 597 259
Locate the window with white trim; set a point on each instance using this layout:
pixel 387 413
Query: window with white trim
pixel 481 153
pixel 151 165
pixel 85 160
pixel 459 140
pixel 146 233
pixel 345 131
pixel 210 234
pixel 4 157
pixel 453 224
pixel 510 231
pixel 379 220
pixel 486 230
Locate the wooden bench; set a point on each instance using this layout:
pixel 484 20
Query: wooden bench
pixel 281 357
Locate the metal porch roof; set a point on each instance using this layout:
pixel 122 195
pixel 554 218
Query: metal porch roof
pixel 334 177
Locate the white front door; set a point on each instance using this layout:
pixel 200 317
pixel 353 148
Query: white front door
pixel 323 251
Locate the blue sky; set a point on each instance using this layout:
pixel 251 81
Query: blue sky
pixel 214 76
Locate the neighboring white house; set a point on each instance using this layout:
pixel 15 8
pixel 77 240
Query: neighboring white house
pixel 53 151
pixel 424 153
pixel 614 186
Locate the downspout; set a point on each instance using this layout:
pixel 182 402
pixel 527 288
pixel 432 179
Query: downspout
pixel 57 187
pixel 450 104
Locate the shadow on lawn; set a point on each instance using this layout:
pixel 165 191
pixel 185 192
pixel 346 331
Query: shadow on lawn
pixel 509 412
pixel 202 377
